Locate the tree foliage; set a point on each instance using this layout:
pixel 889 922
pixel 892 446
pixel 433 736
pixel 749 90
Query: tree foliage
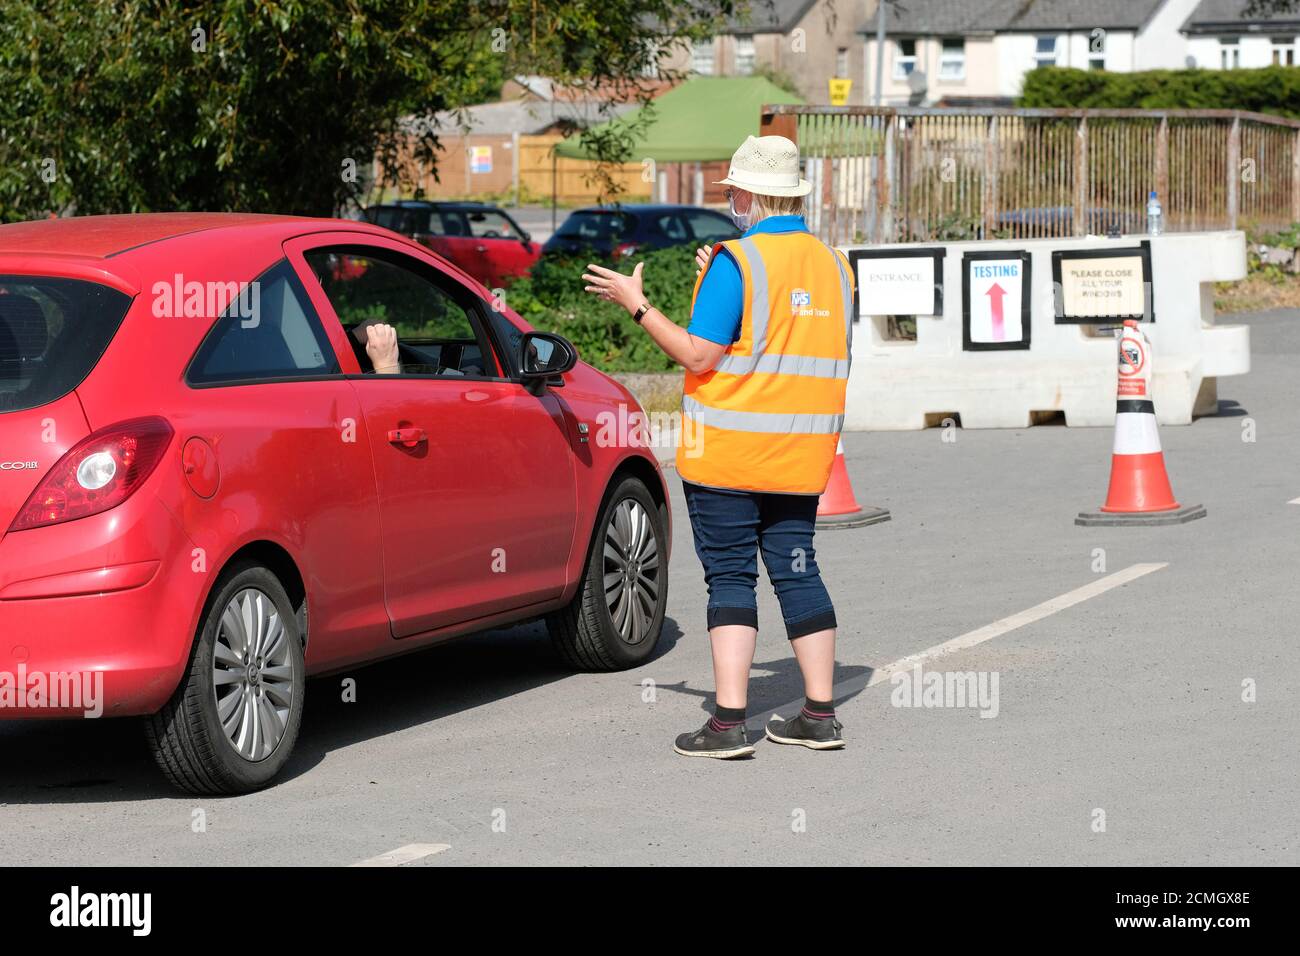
pixel 271 105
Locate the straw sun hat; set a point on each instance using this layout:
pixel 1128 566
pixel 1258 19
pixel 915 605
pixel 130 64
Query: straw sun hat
pixel 768 165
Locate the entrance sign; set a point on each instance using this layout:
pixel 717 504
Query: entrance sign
pixel 1103 285
pixel 898 281
pixel 995 300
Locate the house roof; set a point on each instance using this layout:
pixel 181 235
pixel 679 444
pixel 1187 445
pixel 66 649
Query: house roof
pixel 524 116
pixel 974 17
pixel 1229 16
pixel 770 16
pixel 702 120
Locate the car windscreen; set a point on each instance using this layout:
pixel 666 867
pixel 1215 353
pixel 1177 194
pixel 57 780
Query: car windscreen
pixel 489 224
pixel 596 226
pixel 52 333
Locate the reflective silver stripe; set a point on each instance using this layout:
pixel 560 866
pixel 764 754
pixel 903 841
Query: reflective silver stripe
pixel 784 365
pixel 846 286
pixel 772 422
pixel 758 311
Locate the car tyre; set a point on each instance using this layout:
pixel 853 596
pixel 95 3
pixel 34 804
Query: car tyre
pixel 233 721
pixel 615 619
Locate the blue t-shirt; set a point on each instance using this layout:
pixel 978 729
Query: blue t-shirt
pixel 721 302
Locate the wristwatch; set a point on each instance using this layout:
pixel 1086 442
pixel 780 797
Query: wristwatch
pixel 640 313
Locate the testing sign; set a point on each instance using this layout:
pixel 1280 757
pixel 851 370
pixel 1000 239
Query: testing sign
pixel 995 300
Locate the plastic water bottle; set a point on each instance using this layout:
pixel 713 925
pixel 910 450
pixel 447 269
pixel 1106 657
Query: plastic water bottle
pixel 1155 216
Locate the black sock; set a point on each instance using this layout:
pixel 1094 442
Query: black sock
pixel 818 709
pixel 725 718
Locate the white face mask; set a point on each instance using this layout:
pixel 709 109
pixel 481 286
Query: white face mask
pixel 741 219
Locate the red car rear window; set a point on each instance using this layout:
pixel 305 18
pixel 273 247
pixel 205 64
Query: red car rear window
pixel 52 333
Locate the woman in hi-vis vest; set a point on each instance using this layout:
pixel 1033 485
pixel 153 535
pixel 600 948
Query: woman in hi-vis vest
pixel 767 365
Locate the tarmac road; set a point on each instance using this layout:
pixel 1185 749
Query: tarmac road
pixel 1121 735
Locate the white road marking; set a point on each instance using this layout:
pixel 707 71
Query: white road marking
pixel 405 854
pixel 1294 501
pixel 975 637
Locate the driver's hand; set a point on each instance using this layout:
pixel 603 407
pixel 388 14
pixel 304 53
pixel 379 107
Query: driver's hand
pixel 381 347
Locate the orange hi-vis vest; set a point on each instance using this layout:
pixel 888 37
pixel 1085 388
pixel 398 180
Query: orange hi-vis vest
pixel 768 416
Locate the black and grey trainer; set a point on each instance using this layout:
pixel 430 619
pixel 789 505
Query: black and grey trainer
pixel 814 734
pixel 708 742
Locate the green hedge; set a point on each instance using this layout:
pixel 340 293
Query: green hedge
pixel 1272 89
pixel 553 300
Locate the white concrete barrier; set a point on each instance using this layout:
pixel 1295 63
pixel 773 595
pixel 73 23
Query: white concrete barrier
pixel 896 384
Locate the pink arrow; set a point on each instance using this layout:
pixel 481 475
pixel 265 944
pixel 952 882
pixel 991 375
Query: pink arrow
pixel 995 294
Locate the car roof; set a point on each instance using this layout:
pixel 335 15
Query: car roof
pixel 434 204
pixel 108 236
pixel 649 207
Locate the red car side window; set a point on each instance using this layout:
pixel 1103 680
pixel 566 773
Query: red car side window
pixel 439 330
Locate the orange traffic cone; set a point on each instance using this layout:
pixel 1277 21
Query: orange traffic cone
pixel 837 507
pixel 1139 491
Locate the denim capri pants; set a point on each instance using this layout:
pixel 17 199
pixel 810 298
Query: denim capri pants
pixel 730 528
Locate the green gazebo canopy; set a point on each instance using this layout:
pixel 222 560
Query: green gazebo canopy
pixel 702 120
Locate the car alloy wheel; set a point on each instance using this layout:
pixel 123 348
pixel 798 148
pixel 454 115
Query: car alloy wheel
pixel 253 674
pixel 631 571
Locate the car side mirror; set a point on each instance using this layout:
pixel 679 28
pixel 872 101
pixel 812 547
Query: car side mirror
pixel 544 357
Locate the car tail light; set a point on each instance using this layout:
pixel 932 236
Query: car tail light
pixel 624 249
pixel 98 473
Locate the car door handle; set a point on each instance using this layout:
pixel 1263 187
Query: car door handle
pixel 480 248
pixel 407 437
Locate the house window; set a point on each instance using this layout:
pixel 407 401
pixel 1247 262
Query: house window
pixel 1284 51
pixel 1045 51
pixel 702 57
pixel 905 59
pixel 952 60
pixel 1097 50
pixel 842 61
pixel 744 55
pixel 1229 53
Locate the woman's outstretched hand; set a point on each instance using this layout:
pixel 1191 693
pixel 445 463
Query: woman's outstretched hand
pixel 702 259
pixel 615 287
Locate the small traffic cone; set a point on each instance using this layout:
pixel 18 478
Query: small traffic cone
pixel 1139 491
pixel 837 507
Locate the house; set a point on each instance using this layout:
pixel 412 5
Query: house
pixel 977 52
pixel 808 41
pixel 1221 37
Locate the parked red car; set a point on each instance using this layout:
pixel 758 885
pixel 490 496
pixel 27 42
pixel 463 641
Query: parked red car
pixel 206 495
pixel 480 238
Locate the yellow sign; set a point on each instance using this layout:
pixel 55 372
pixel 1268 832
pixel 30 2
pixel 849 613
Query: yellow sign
pixel 839 90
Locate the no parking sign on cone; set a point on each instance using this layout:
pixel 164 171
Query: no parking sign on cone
pixel 1139 493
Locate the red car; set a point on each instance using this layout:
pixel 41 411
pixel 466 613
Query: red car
pixel 480 238
pixel 207 495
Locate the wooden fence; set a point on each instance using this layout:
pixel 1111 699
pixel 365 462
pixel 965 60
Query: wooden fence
pixel 920 174
pixel 517 168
